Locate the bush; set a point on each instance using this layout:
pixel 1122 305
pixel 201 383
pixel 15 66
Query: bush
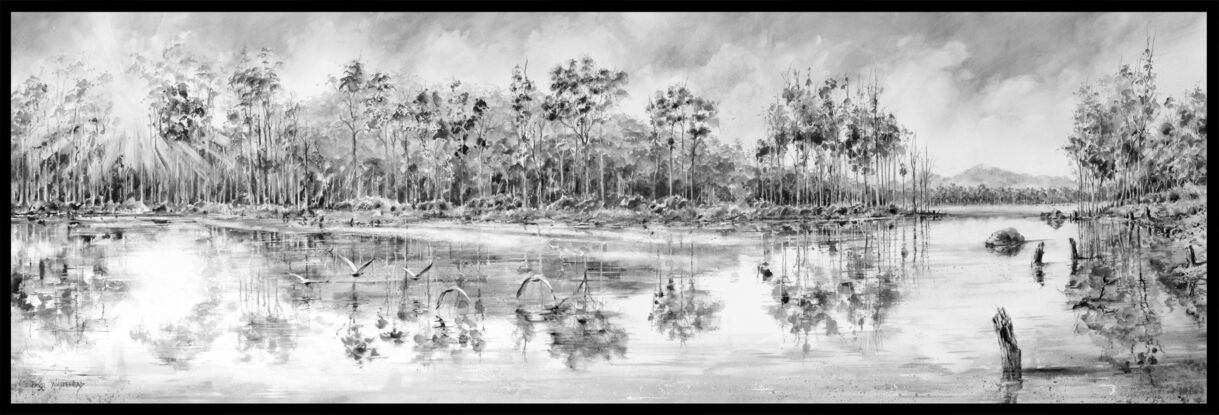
pixel 133 206
pixel 633 202
pixel 668 204
pixel 432 205
pixel 565 202
pixel 496 202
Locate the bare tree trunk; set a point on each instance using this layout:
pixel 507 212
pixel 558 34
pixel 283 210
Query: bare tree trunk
pixel 1008 348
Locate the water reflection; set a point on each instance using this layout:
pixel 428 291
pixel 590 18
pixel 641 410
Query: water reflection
pixel 582 332
pixel 189 296
pixel 1111 295
pixel 840 280
pixel 177 343
pixel 680 311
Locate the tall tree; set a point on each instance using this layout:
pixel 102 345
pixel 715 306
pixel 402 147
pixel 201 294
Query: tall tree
pixel 582 95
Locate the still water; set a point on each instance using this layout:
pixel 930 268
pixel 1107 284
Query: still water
pixel 131 310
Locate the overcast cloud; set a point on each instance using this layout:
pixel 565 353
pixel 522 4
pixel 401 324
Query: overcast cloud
pixel 978 88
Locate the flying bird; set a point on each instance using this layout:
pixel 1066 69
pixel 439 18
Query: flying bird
pixel 536 278
pixel 415 275
pixel 355 272
pixel 302 280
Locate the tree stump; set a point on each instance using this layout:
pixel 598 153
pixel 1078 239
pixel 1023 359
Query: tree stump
pixel 1008 349
pixel 1038 254
pixel 1074 250
pixel 1193 258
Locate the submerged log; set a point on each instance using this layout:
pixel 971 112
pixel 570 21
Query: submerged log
pixel 1008 349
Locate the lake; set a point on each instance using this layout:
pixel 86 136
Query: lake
pixel 198 310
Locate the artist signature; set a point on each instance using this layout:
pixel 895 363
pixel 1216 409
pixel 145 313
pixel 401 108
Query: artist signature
pixel 27 383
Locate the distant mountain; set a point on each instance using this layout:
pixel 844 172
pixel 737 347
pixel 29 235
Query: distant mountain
pixel 996 177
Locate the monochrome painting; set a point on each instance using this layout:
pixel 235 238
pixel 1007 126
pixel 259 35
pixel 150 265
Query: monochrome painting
pixel 612 207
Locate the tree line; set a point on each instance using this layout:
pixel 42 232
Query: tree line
pixel 982 195
pixel 1129 140
pixel 227 131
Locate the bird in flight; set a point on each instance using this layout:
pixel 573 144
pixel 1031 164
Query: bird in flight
pixel 355 272
pixel 303 280
pixel 536 278
pixel 415 275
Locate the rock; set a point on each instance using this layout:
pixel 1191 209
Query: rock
pixel 1005 237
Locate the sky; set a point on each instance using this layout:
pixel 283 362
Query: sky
pixel 990 88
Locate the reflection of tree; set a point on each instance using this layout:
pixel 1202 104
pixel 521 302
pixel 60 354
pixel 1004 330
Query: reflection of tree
pixel 1111 298
pixel 59 309
pixel 1186 286
pixel 1118 317
pixel 455 327
pixel 853 285
pixel 358 347
pixel 263 329
pixel 457 333
pixel 822 307
pixel 68 305
pixel 177 343
pixel 272 335
pixel 581 332
pixel 683 312
pixel 523 331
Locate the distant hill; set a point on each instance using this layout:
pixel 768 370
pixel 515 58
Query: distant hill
pixel 996 177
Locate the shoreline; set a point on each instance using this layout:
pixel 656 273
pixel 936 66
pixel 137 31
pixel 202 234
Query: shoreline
pixel 283 218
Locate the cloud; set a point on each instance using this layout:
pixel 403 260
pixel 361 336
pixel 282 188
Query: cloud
pixel 992 88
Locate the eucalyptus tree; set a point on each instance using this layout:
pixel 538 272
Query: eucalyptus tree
pixel 422 115
pixel 832 102
pixel 524 103
pixel 1126 142
pixel 256 84
pixel 805 125
pixel 378 115
pixel 180 92
pixel 704 114
pixel 779 130
pixel 459 116
pixel 659 109
pixel 582 95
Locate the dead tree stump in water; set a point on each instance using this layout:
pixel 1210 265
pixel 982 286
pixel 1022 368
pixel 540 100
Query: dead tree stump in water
pixel 1008 349
pixel 1039 253
pixel 1074 250
pixel 1193 258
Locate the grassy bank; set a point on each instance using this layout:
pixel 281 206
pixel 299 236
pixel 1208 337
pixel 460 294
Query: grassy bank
pixel 1179 213
pixel 380 212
